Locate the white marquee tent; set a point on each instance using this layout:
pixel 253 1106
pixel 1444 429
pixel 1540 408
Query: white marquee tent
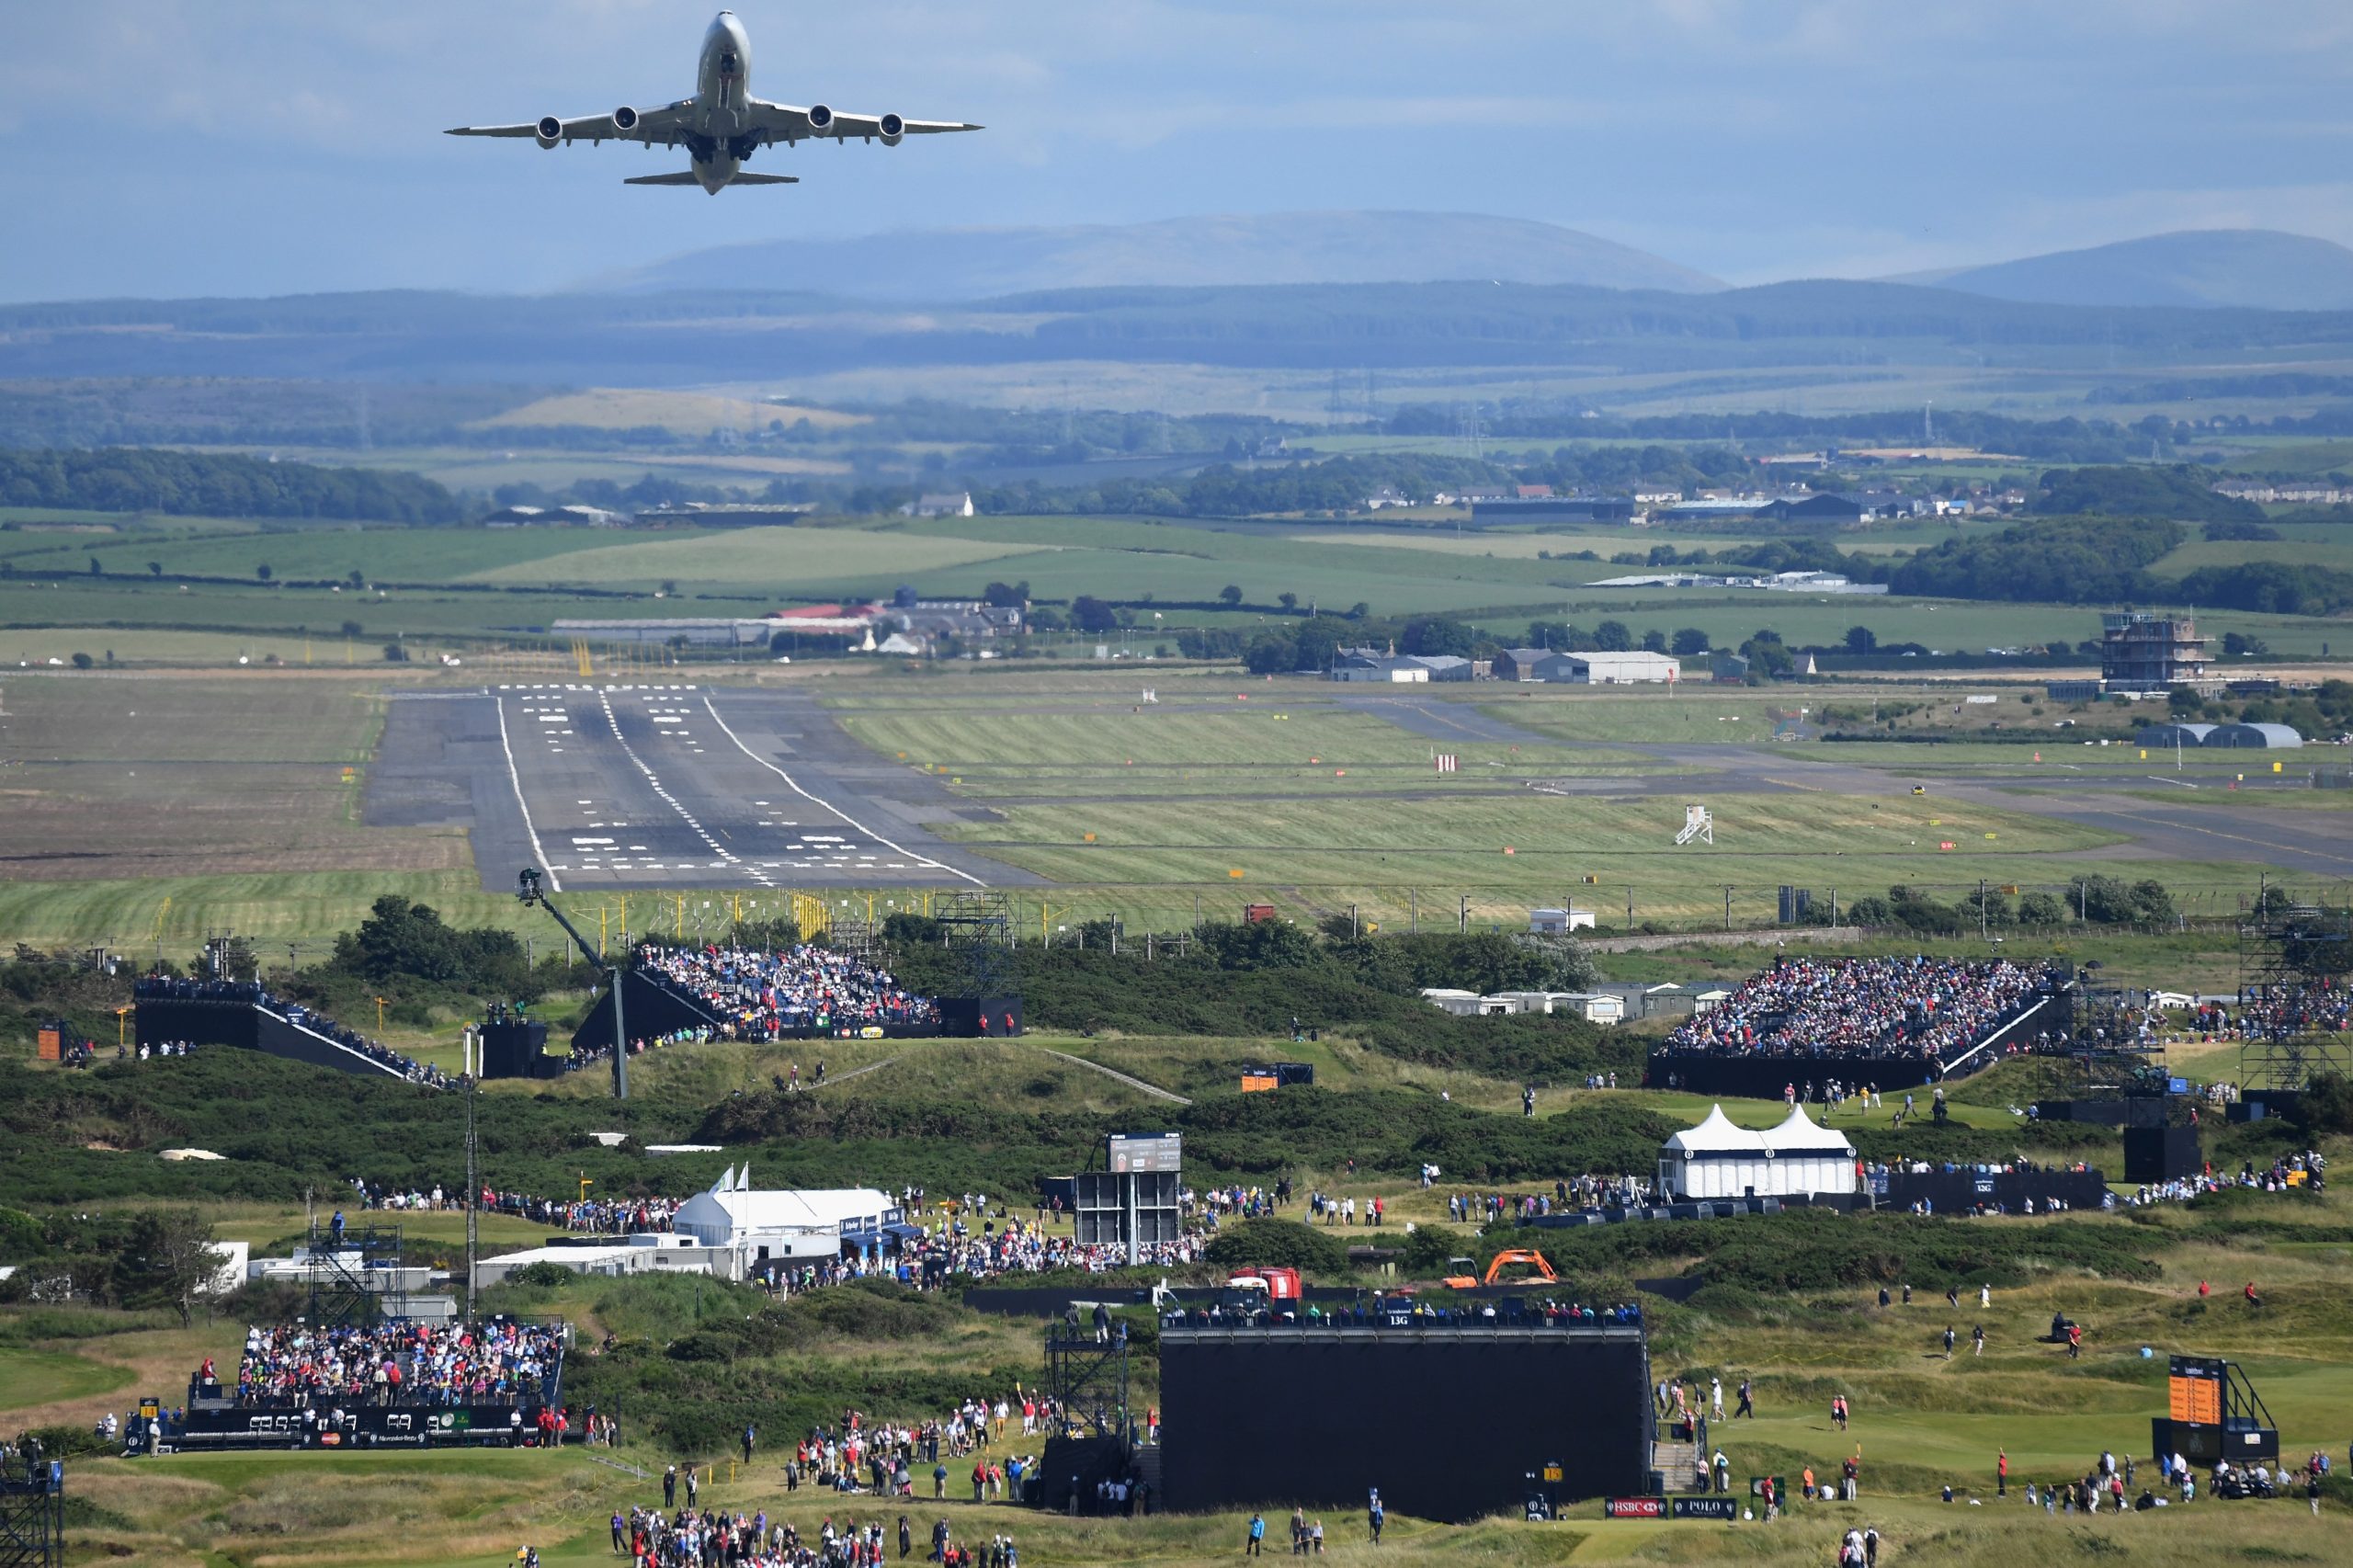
pixel 1717 1159
pixel 777 1224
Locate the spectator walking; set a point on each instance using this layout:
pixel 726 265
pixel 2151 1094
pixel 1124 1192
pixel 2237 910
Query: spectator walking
pixel 1257 1534
pixel 1747 1405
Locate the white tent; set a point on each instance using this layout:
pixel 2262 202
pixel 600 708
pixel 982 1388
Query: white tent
pixel 1716 1159
pixel 779 1225
pixel 1807 1157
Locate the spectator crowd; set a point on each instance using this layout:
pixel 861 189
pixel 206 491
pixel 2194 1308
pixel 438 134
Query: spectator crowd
pixel 598 1217
pixel 1890 1008
pixel 760 994
pixel 497 1361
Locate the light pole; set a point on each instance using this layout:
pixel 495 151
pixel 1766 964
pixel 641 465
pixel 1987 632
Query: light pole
pixel 529 891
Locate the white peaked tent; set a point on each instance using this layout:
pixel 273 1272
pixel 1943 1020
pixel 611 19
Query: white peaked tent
pixel 1810 1158
pixel 1716 1159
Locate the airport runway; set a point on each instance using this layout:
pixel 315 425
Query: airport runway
pixel 619 786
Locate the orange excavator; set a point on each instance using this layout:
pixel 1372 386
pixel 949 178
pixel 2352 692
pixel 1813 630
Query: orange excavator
pixel 1526 1256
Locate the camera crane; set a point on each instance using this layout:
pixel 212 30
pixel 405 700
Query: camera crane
pixel 531 892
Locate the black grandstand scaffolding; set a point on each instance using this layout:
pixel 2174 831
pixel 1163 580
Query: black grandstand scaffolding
pixel 2287 947
pixel 32 1514
pixel 348 1273
pixel 978 928
pixel 1087 1378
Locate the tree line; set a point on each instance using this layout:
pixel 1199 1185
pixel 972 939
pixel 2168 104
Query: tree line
pixel 216 484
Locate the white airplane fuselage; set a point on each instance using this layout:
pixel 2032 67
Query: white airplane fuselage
pixel 723 86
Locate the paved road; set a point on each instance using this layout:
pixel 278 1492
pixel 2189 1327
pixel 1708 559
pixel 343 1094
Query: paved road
pixel 660 785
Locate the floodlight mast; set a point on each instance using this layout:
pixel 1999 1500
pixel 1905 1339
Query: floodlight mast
pixel 531 892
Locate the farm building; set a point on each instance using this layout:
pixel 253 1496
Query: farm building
pixel 1559 922
pixel 1716 1159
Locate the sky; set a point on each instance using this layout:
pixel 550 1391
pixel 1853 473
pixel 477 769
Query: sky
pixel 253 147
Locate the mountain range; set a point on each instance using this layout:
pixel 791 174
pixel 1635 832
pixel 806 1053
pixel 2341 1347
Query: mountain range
pixel 2255 268
pixel 938 264
pixel 2243 268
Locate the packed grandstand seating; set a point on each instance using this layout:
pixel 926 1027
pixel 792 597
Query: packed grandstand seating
pixel 174 988
pixel 762 994
pixel 1865 1008
pixel 499 1361
pixel 2286 1011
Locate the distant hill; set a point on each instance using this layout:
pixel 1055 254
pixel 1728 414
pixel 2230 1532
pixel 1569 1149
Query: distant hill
pixel 2256 269
pixel 940 264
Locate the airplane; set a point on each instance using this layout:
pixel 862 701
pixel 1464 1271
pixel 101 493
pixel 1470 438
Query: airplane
pixel 722 125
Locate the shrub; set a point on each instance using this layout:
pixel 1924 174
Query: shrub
pixel 1279 1243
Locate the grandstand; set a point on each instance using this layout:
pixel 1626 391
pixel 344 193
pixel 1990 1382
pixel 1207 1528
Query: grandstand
pixel 800 993
pixel 497 1382
pixel 1892 1023
pixel 169 1010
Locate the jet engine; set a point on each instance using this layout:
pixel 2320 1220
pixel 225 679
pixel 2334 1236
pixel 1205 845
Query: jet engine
pixel 625 119
pixel 893 128
pixel 551 131
pixel 821 119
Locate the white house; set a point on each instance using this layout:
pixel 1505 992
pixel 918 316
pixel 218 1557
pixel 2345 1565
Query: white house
pixel 1559 922
pixel 959 505
pixel 1716 1159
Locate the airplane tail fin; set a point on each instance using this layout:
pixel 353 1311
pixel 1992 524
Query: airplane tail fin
pixel 684 177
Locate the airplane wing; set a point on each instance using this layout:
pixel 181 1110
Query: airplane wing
pixel 657 127
pixel 784 122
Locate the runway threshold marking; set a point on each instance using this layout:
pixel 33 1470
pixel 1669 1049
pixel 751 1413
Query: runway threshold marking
pixel 515 779
pixel 794 785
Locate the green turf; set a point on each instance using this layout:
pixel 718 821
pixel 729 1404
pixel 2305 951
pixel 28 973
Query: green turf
pixel 30 1377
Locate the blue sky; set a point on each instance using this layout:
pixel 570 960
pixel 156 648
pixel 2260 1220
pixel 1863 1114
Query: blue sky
pixel 169 147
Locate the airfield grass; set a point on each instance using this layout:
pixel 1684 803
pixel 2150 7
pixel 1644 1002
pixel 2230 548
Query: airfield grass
pixel 193 777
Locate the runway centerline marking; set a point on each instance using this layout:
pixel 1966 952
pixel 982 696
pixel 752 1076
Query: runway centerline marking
pixel 605 700
pixel 794 785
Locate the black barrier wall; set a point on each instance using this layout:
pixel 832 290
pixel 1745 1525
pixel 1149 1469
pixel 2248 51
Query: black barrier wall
pixel 1958 1192
pixel 1446 1422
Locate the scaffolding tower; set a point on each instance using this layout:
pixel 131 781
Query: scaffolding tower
pixel 977 928
pixel 1087 1378
pixel 342 1290
pixel 2285 948
pixel 32 1514
pixel 854 935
